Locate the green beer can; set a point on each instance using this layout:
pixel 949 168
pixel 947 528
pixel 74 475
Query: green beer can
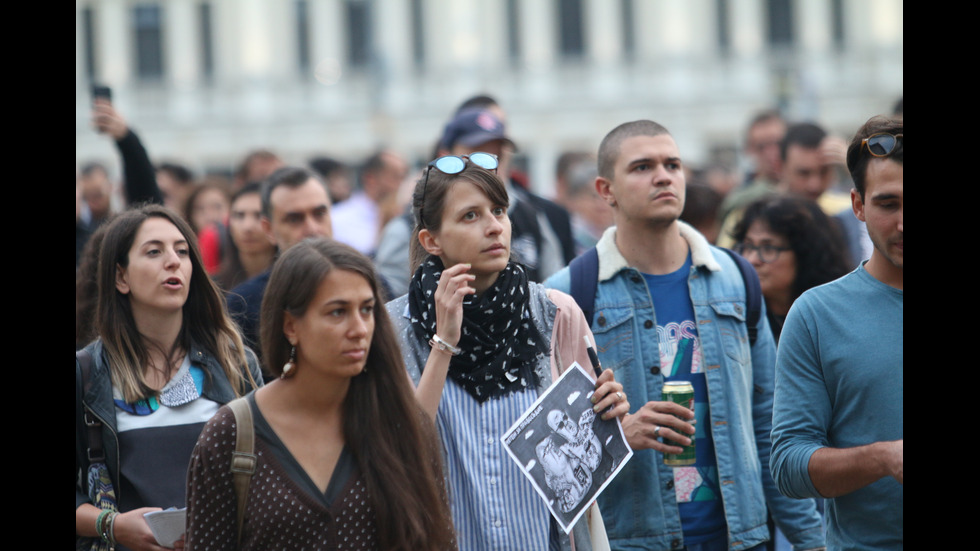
pixel 680 392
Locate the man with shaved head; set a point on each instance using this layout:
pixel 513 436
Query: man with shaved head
pixel 669 307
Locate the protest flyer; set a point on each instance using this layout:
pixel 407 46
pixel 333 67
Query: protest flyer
pixel 565 449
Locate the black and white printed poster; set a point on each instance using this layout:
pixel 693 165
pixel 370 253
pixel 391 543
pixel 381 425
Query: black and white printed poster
pixel 567 451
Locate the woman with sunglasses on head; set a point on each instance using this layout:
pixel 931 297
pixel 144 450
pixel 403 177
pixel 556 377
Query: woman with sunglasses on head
pixel 166 358
pixel 481 342
pixel 793 246
pixel 346 459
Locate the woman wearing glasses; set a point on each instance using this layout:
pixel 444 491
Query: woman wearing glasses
pixel 793 246
pixel 480 342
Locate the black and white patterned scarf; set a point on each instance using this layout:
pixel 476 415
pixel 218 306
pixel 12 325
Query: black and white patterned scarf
pixel 499 340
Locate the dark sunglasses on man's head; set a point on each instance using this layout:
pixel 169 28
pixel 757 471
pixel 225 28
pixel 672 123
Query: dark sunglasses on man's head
pixel 882 144
pixel 454 164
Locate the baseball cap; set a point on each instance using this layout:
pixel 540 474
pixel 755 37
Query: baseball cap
pixel 472 127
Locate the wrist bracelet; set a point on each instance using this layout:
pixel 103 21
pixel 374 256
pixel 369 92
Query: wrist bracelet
pixel 100 523
pixel 112 530
pixel 437 342
pixel 104 525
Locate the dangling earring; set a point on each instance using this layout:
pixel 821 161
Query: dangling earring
pixel 289 369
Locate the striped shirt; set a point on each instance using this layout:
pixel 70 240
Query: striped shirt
pixel 494 505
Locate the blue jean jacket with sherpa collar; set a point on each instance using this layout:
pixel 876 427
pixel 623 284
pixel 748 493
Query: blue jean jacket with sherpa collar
pixel 639 507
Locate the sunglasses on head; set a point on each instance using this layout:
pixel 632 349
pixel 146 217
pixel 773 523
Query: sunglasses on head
pixel 454 164
pixel 882 144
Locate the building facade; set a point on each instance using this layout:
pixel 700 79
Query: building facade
pixel 204 81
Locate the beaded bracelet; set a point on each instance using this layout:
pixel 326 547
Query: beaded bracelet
pixel 100 524
pixel 105 526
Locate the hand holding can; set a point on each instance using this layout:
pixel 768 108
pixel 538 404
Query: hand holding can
pixel 680 392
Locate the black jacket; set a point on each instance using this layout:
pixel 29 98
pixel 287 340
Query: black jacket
pixel 98 399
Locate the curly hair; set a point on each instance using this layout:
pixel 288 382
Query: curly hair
pixel 815 238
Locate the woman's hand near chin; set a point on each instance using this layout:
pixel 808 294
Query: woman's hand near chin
pixel 454 285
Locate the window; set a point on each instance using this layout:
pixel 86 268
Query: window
pixel 780 22
pixel 837 23
pixel 629 32
pixel 148 27
pixel 206 37
pixel 358 33
pixel 724 26
pixel 88 43
pixel 513 31
pixel 303 36
pixel 418 32
pixel 571 39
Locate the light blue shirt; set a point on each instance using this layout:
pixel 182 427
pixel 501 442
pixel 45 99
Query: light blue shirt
pixel 494 505
pixel 840 383
pixel 356 222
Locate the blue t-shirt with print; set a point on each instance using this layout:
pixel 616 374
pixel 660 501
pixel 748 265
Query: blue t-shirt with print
pixel 696 486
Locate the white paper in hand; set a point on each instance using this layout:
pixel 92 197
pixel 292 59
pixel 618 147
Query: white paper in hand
pixel 565 449
pixel 167 526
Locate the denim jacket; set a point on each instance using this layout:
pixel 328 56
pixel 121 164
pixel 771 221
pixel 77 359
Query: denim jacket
pixel 639 507
pixel 99 399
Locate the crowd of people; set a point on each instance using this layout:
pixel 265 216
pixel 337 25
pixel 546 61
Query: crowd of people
pixel 382 326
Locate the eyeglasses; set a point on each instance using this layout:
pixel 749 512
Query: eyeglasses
pixel 882 144
pixel 767 253
pixel 454 164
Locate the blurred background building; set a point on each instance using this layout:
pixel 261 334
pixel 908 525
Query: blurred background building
pixel 204 81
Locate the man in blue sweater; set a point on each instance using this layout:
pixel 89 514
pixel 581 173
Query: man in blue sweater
pixel 838 413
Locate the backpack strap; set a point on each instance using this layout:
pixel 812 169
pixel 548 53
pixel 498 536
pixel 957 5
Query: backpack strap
pixel 243 460
pixel 584 279
pixel 753 294
pixel 584 275
pixel 95 453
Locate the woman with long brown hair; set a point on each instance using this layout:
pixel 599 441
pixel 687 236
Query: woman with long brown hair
pixel 346 457
pixel 251 250
pixel 481 343
pixel 166 359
